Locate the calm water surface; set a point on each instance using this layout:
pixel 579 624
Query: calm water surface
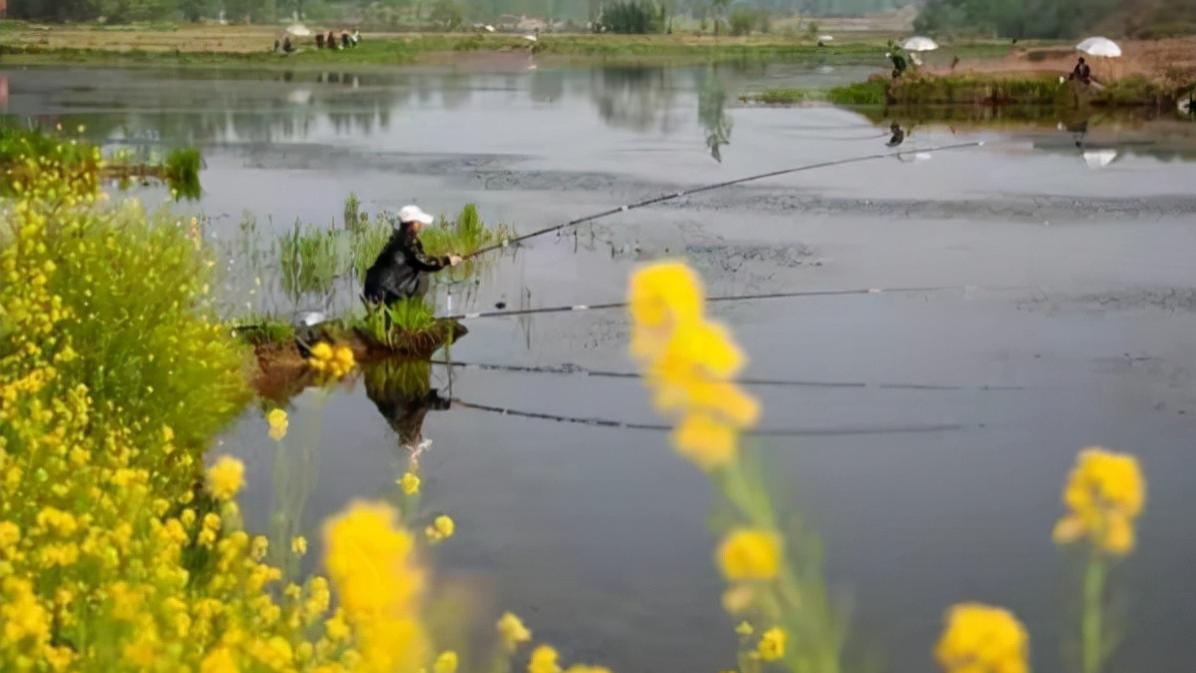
pixel 932 478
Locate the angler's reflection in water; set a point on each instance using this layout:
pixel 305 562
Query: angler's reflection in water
pixel 402 390
pixel 712 105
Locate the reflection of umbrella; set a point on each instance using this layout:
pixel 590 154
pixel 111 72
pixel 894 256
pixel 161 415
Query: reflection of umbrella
pixel 1099 46
pixel 1099 158
pixel 298 30
pixel 299 96
pixel 920 44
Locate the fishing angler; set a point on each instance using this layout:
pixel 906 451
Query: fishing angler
pixel 401 269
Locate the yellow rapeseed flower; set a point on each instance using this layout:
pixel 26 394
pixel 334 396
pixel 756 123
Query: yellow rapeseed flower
pixel 512 630
pixel 980 638
pixel 664 293
pixel 442 528
pixel 409 483
pixel 299 545
pixel 445 663
pixel 709 443
pixel 543 660
pixel 225 478
pixel 1104 493
pixel 277 420
pixel 750 554
pixel 772 644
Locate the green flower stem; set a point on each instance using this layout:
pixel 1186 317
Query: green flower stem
pixel 1091 626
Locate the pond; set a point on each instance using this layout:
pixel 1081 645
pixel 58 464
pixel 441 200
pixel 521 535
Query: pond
pixel 924 435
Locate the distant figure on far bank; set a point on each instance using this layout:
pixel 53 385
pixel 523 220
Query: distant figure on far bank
pixel 898 135
pixel 1082 72
pixel 402 268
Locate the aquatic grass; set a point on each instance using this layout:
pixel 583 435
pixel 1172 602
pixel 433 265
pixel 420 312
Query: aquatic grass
pixel 311 259
pixel 261 329
pixel 181 171
pixel 398 324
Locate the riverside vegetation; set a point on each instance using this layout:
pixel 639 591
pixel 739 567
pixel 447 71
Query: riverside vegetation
pixel 121 542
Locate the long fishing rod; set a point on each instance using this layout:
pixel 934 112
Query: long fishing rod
pixel 574 370
pixel 505 242
pixel 726 298
pixel 812 431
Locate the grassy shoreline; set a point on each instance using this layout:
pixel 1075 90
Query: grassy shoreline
pixel 251 47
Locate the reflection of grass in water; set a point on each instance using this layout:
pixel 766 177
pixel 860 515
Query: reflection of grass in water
pixel 399 377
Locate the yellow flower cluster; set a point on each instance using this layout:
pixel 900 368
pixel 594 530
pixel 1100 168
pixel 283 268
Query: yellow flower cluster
pixel 690 362
pixel 441 529
pixel 512 631
pixel 772 645
pixel 545 659
pixel 980 638
pixel 409 483
pixel 277 420
pixel 750 555
pixel 332 363
pixel 226 477
pixel 370 559
pixel 1104 494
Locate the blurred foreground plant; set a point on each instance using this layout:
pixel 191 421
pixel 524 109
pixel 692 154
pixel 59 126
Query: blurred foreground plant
pixel 775 585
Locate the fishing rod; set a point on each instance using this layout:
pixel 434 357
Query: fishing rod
pixel 574 370
pixel 811 431
pixel 505 242
pixel 726 298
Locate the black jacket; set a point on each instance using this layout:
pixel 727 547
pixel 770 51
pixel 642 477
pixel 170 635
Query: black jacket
pixel 400 269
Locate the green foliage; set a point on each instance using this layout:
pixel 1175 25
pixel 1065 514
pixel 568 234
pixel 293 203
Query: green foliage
pixel 461 237
pixel 181 170
pixel 262 329
pixel 744 20
pixel 352 212
pixel 785 96
pixel 633 17
pixel 871 92
pixel 312 259
pixel 151 345
pixel 1014 18
pixel 447 14
pixel 394 325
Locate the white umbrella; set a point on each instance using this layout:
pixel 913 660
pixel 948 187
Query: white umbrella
pixel 920 43
pixel 298 30
pixel 1099 158
pixel 531 38
pixel 826 38
pixel 489 28
pixel 1099 46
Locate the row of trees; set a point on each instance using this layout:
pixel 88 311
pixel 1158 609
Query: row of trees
pixel 119 11
pixel 1058 18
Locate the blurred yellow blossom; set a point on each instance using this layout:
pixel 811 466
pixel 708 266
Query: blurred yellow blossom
pixel 1105 492
pixel 225 477
pixel 744 629
pixel 772 644
pixel 299 545
pixel 980 638
pixel 750 554
pixel 512 630
pixel 709 443
pixel 277 420
pixel 442 528
pixel 334 363
pixel 445 663
pixel 543 660
pixel 409 483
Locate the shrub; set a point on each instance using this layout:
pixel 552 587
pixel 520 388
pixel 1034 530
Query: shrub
pixel 633 17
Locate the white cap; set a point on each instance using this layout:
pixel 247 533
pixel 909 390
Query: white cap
pixel 415 214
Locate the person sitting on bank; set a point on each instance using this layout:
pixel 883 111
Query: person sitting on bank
pixel 346 41
pixel 402 268
pixel 319 40
pixel 1082 72
pixel 288 46
pixel 356 37
pixel 899 63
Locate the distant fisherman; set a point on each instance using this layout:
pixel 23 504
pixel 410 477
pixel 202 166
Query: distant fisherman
pixel 1082 72
pixel 402 268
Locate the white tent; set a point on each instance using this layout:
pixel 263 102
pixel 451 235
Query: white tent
pixel 298 30
pixel 920 43
pixel 1099 46
pixel 826 38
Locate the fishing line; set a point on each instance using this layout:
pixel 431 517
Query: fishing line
pixel 574 370
pixel 739 297
pixel 812 431
pixel 505 242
